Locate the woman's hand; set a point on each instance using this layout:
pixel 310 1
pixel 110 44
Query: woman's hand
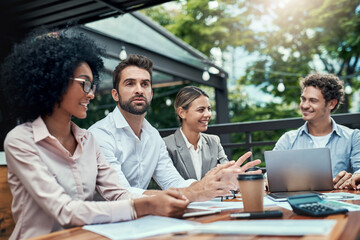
pixel 169 203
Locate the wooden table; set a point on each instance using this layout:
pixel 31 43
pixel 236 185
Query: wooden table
pixel 347 228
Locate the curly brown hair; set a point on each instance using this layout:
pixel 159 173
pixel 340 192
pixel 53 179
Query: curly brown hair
pixel 330 86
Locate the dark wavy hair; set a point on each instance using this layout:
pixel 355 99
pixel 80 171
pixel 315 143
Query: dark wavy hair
pixel 133 60
pixel 37 72
pixel 330 86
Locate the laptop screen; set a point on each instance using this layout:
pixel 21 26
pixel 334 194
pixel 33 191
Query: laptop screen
pixel 299 170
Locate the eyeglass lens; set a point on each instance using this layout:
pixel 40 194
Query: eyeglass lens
pixel 89 86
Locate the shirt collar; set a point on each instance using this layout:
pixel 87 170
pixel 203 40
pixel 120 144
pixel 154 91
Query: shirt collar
pixel 120 121
pixel 41 131
pixel 335 128
pixel 188 144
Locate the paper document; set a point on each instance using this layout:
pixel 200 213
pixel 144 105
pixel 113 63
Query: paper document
pixel 2 158
pixel 154 225
pixel 220 206
pixel 285 205
pixel 269 227
pixel 340 196
pixel 210 205
pixel 340 204
pixel 142 227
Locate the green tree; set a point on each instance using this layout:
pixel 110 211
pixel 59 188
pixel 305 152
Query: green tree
pixel 242 111
pixel 306 36
pixel 300 37
pixel 208 24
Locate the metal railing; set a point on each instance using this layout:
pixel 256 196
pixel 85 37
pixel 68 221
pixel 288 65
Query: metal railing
pixel 351 120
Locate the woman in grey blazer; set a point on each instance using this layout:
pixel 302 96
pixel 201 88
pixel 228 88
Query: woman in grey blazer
pixel 194 153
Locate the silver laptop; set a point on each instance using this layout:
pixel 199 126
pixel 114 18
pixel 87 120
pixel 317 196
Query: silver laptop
pixel 298 170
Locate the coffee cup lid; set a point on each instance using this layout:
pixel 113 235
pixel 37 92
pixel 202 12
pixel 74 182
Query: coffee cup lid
pixel 250 176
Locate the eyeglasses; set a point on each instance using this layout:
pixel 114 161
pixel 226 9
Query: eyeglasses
pixel 87 85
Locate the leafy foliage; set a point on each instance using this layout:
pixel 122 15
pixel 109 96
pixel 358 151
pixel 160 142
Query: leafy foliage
pixel 306 36
pixel 290 38
pixel 205 27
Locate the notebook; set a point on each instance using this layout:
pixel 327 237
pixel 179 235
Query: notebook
pixel 300 171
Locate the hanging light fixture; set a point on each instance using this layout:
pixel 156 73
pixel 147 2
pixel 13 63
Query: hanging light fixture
pixel 269 88
pixel 206 75
pixel 348 89
pixel 123 53
pixel 168 102
pixel 281 86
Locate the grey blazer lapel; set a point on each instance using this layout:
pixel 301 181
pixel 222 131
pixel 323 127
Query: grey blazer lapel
pixel 206 155
pixel 184 154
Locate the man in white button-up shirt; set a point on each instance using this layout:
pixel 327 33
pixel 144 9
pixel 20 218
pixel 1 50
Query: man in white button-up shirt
pixel 135 148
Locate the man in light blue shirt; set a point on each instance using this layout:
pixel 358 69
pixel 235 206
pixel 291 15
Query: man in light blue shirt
pixel 321 95
pixel 135 148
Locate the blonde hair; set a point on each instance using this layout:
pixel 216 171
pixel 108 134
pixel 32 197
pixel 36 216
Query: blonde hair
pixel 185 97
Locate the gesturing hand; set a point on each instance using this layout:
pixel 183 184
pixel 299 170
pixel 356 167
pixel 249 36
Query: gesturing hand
pixel 242 169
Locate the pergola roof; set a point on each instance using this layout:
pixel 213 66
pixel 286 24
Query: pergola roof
pixel 29 14
pixel 174 60
pixel 17 17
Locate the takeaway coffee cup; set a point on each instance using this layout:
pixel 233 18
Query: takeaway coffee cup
pixel 252 191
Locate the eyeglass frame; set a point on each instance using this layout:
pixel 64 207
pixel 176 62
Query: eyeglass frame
pixel 92 84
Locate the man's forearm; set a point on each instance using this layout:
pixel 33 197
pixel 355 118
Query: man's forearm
pixel 191 193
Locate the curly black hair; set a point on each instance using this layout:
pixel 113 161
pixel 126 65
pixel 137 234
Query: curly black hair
pixel 330 86
pixel 36 74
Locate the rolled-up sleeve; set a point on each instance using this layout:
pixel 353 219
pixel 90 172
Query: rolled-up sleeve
pixel 355 151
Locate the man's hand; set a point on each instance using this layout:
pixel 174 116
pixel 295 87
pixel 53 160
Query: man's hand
pixel 220 180
pixel 248 165
pixel 152 192
pixel 340 180
pixel 242 169
pixel 353 182
pixel 213 184
pixel 168 203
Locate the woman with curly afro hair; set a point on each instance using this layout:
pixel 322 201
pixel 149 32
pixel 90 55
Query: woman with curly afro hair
pixel 54 167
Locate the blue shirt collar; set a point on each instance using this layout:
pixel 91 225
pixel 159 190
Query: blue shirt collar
pixel 335 128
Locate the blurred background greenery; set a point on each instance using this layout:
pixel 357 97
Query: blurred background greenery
pixel 266 46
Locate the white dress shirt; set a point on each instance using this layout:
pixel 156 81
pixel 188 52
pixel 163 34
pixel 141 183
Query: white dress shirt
pixel 196 157
pixel 136 160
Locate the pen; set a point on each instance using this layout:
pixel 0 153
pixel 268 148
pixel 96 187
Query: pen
pixel 266 214
pixel 242 215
